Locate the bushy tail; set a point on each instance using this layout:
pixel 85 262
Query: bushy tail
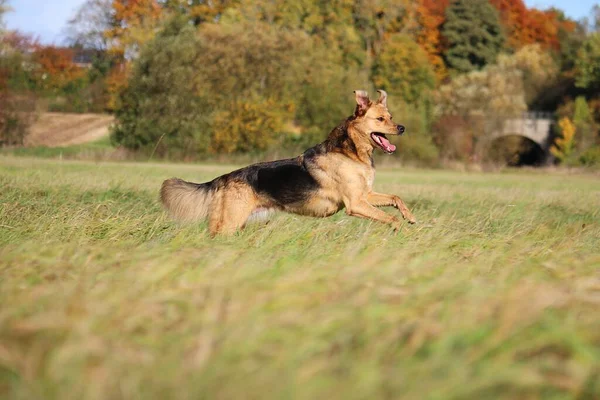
pixel 186 201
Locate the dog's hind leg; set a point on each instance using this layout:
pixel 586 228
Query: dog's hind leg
pixel 382 200
pixel 233 205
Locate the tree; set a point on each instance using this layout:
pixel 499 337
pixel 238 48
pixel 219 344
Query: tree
pixel 565 144
pixel 473 33
pixel 588 63
pixel 403 70
pixel 478 103
pixel 431 15
pixel 200 11
pixel 134 22
pixel 584 124
pixel 537 68
pixel 525 26
pixel 160 108
pixel 55 68
pixel 514 15
pixel 17 112
pixel 88 27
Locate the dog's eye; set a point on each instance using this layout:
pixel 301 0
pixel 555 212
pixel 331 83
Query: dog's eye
pixel 381 119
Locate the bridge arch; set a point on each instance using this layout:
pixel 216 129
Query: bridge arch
pixel 516 150
pixel 514 138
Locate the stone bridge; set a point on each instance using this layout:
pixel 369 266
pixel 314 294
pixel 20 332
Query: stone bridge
pixel 536 127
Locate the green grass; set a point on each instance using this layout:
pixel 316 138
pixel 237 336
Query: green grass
pixel 98 149
pixel 494 294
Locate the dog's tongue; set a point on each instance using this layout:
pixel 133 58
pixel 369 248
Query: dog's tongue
pixel 386 143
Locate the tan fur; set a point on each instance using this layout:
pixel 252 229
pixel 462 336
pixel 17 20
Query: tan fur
pixel 183 201
pixel 233 207
pixel 342 167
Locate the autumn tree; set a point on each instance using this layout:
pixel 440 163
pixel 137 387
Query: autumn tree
pixel 584 124
pixel 191 90
pixel 403 69
pixel 483 100
pixel 431 15
pixel 199 11
pixel 17 110
pixel 55 68
pixel 160 108
pixel 134 22
pixel 474 35
pixel 564 144
pixel 588 63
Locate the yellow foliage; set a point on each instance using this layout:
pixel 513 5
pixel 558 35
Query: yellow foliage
pixel 247 126
pixel 563 146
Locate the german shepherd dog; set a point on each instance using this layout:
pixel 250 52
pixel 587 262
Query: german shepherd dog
pixel 328 177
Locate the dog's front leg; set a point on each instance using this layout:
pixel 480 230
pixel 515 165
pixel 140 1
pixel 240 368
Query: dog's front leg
pixel 382 200
pixel 363 209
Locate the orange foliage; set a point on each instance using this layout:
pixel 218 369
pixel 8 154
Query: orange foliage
pixel 55 67
pixel 210 10
pixel 431 15
pixel 529 25
pixel 543 27
pixel 116 81
pixel 134 23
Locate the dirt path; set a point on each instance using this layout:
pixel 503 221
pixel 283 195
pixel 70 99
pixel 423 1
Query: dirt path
pixel 62 129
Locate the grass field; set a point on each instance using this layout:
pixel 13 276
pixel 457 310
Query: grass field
pixel 495 293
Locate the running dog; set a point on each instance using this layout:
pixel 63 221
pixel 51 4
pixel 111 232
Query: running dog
pixel 328 177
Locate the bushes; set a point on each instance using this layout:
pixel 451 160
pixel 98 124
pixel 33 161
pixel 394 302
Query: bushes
pixel 403 68
pixel 17 113
pixel 160 107
pixel 254 125
pixel 591 157
pixel 229 88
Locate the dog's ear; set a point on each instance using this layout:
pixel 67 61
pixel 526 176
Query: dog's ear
pixel 362 102
pixel 382 98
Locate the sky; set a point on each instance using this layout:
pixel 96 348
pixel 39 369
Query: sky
pixel 47 19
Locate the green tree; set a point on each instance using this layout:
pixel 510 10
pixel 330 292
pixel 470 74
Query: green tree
pixel 473 34
pixel 584 124
pixel 160 108
pixel 403 69
pixel 588 63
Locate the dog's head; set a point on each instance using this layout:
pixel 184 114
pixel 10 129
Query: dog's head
pixel 373 121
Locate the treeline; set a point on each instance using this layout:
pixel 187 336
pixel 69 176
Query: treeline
pixel 190 78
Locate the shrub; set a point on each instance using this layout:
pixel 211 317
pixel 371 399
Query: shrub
pixel 453 137
pixel 247 126
pixel 17 113
pixel 160 108
pixel 591 157
pixel 564 145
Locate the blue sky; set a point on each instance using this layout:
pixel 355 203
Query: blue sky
pixel 47 18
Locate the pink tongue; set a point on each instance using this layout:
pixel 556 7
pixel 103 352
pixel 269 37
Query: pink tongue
pixel 386 143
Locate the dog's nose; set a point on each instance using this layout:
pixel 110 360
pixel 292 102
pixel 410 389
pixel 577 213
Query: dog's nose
pixel 400 129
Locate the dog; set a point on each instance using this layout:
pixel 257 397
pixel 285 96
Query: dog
pixel 335 174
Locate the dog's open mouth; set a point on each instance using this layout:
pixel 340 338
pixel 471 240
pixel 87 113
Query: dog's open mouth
pixel 383 142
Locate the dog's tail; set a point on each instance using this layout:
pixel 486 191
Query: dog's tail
pixel 187 201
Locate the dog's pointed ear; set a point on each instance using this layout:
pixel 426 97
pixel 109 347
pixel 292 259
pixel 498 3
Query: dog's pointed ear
pixel 362 102
pixel 382 98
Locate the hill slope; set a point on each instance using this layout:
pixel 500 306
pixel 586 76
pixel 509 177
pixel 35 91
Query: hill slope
pixel 63 129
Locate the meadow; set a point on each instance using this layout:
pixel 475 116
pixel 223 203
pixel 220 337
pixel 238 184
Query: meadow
pixel 495 293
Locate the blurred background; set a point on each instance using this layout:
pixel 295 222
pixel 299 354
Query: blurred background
pixel 478 82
